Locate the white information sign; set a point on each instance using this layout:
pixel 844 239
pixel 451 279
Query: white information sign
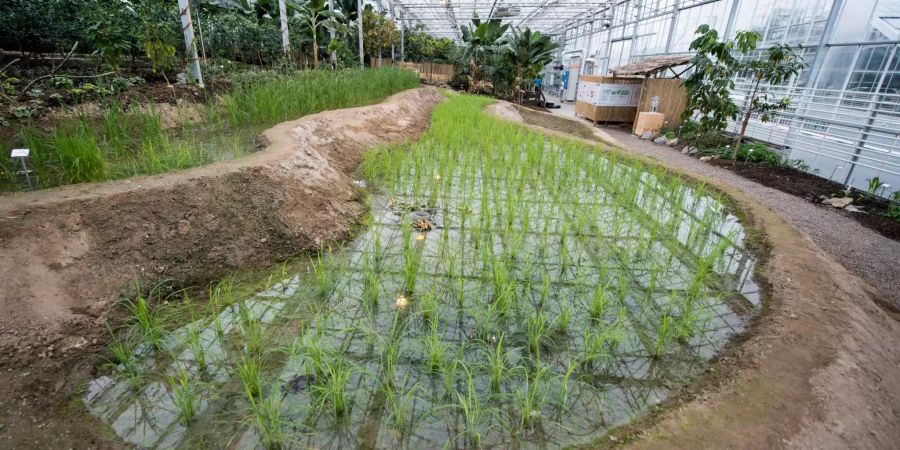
pixel 588 92
pixel 618 95
pixel 19 153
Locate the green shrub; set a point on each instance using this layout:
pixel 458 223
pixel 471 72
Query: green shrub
pixel 751 152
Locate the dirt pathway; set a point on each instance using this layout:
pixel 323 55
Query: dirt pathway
pixel 67 253
pixel 820 369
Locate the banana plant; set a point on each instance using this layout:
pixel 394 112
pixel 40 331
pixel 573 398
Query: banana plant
pixel 314 14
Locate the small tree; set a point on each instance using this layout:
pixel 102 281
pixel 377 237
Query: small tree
pixel 780 64
pixel 379 34
pixel 710 86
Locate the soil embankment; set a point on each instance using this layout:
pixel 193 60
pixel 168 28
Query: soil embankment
pixel 67 253
pixel 820 369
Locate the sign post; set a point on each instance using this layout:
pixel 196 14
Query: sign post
pixel 22 154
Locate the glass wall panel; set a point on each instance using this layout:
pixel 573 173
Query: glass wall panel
pixel 714 14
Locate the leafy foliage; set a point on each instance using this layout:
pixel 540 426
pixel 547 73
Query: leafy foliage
pixel 711 84
pixel 379 33
pixel 421 46
pixel 527 52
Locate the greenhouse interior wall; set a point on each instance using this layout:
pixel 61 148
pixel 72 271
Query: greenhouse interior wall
pixel 844 118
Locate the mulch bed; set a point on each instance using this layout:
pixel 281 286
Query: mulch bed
pixel 813 188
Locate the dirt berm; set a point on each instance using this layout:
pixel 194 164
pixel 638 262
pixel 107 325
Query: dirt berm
pixel 67 253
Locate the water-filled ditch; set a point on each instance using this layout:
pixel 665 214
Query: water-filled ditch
pixel 508 291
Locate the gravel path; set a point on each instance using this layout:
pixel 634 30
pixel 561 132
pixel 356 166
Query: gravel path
pixel 862 251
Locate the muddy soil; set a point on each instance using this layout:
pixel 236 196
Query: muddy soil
pixel 820 369
pixel 533 116
pixel 67 253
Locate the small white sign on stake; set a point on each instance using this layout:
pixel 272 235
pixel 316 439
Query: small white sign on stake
pixel 19 153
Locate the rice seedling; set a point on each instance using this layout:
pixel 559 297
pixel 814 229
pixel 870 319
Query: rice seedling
pixel 498 361
pixel 562 320
pixel 331 390
pixel 436 350
pixel 565 379
pixel 147 321
pixel 664 333
pixel 323 274
pixel 195 345
pixel 469 406
pixel 183 395
pixel 268 420
pixel 249 371
pixel 124 360
pixel 531 398
pixel 428 306
pixel 251 330
pixel 599 302
pixel 536 331
pixel 401 405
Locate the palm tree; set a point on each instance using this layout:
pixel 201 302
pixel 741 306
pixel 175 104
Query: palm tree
pixel 527 52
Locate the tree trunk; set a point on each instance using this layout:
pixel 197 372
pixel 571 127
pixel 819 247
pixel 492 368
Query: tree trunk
pixel 315 45
pixel 744 123
pixel 315 49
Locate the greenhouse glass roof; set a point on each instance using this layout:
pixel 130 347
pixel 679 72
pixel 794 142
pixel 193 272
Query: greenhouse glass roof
pixel 443 17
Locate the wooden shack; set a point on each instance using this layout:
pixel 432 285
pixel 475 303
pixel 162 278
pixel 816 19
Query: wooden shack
pixel 646 80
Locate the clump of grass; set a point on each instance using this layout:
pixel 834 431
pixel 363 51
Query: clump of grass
pixel 195 344
pixel 124 360
pixel 249 371
pixel 331 390
pixel 469 406
pixel 183 395
pixel 146 320
pixel 400 403
pixel 268 420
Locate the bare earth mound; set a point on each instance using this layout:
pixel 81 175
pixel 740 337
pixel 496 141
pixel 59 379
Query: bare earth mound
pixel 821 368
pixel 67 253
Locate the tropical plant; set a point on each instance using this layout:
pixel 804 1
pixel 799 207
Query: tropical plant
pixel 482 40
pixel 527 52
pixel 314 14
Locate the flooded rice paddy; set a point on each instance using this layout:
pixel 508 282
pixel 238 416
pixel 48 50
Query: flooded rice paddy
pixel 508 291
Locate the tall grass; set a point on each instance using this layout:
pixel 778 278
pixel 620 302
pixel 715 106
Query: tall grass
pixel 129 141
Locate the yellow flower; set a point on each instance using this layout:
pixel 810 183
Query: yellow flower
pixel 402 302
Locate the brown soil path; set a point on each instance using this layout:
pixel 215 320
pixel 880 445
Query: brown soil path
pixel 67 253
pixel 820 369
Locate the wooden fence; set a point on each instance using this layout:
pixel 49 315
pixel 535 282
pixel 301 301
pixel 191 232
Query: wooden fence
pixel 431 72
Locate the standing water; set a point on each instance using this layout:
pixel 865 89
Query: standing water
pixel 510 290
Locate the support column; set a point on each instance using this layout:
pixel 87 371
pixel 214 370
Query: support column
pixel 672 23
pixel 359 27
pixel 187 26
pixel 391 6
pixel 822 50
pixel 587 48
pixel 732 17
pixel 402 38
pixel 285 38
